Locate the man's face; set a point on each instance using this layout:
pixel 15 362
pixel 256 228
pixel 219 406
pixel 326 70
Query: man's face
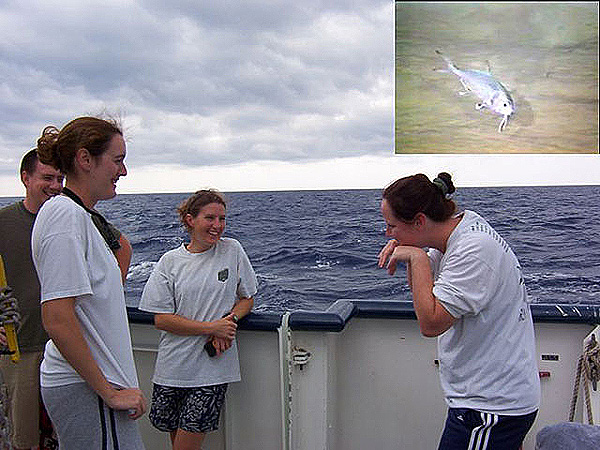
pixel 43 183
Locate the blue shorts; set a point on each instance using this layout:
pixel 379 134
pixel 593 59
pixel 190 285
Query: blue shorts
pixel 467 429
pixel 195 409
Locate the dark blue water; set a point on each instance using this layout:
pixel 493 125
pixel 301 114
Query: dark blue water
pixel 311 248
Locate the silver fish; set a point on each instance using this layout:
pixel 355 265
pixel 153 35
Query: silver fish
pixel 491 92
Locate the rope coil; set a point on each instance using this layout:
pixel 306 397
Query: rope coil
pixel 588 369
pixel 9 312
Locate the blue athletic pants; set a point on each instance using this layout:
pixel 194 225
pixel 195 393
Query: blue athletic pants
pixel 467 429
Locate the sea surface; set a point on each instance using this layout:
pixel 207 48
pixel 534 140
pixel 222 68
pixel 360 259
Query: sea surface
pixel 311 248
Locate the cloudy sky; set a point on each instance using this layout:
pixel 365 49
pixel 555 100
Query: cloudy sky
pixel 237 95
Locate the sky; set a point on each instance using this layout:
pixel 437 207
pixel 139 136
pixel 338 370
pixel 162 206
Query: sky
pixel 235 95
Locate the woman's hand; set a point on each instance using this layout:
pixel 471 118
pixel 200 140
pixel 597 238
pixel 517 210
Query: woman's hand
pixel 223 341
pixel 221 345
pixel 131 399
pixel 224 328
pixel 387 251
pixel 63 327
pixel 393 253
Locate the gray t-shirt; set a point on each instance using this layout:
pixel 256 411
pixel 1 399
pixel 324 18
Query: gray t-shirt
pixel 488 357
pixel 203 287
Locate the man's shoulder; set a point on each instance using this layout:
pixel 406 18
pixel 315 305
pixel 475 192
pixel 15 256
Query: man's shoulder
pixel 11 209
pixel 16 212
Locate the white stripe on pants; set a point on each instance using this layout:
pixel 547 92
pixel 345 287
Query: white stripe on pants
pixel 480 435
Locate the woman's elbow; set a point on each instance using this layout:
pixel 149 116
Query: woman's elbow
pixel 429 331
pixel 435 329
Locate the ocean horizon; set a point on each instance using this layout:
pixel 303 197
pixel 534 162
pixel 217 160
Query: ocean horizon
pixel 310 248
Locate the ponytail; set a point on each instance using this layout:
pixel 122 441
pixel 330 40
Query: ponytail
pixel 411 195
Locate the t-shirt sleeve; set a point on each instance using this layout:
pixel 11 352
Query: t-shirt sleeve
pixel 247 284
pixel 60 260
pixel 464 284
pixel 158 295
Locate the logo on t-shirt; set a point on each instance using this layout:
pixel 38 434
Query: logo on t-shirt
pixel 223 275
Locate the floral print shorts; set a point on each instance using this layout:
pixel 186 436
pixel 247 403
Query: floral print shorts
pixel 194 409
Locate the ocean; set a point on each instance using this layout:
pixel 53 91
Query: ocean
pixel 311 248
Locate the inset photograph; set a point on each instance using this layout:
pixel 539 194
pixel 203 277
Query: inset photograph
pixel 496 78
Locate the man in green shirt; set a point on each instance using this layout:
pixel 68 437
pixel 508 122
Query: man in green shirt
pixel 16 222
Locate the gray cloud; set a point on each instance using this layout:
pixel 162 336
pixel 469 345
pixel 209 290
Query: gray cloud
pixel 202 83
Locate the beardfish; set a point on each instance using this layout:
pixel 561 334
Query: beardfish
pixel 490 91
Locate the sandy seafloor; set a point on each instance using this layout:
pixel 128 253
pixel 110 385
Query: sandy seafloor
pixel 545 54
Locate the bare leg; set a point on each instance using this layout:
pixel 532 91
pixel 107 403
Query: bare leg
pixel 185 440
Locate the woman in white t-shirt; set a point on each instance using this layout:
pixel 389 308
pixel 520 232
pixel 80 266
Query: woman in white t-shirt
pixel 468 290
pixel 197 293
pixel 88 379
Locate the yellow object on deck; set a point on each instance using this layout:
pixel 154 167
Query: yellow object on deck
pixel 9 327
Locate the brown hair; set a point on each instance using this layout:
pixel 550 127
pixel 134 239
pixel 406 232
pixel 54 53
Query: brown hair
pixel 29 162
pixel 58 147
pixel 411 195
pixel 197 201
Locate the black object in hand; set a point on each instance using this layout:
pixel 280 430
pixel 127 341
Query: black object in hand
pixel 210 348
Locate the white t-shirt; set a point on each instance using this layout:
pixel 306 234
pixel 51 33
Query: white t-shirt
pixel 488 357
pixel 203 287
pixel 73 260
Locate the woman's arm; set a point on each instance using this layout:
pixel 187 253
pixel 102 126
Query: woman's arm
pixel 241 309
pixel 63 327
pixel 173 323
pixel 123 255
pixel 433 318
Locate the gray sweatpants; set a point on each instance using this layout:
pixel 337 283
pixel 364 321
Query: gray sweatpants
pixel 83 421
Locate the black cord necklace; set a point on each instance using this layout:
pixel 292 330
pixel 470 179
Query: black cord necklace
pixel 99 221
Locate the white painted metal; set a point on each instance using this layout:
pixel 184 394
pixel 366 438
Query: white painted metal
pixel 374 385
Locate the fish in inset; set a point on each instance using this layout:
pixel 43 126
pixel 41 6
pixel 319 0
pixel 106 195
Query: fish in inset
pixel 490 91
